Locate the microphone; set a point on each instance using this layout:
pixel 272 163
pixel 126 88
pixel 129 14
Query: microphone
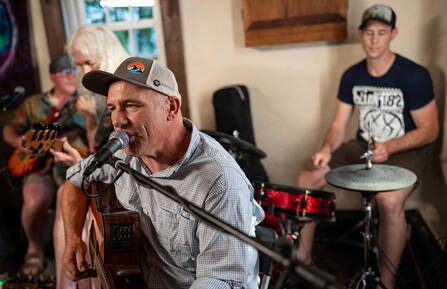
pixel 117 140
pixel 8 100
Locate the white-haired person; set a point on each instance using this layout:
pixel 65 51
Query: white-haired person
pixel 92 47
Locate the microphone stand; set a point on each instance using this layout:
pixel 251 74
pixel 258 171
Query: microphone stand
pixel 318 278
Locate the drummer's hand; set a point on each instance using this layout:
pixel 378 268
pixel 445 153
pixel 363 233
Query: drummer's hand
pixel 321 158
pixel 380 152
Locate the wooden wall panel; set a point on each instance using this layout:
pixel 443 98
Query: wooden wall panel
pixel 288 21
pixel 172 30
pixel 54 27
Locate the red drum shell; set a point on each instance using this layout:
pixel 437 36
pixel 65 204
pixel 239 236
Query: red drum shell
pixel 295 202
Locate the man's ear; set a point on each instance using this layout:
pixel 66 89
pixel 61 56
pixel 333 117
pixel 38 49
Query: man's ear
pixel 174 107
pixel 394 33
pixel 52 77
pixel 360 33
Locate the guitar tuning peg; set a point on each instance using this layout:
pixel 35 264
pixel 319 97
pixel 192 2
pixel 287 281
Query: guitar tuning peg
pixel 40 126
pixel 58 128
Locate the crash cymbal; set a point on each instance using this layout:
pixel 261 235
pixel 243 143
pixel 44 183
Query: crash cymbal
pixel 379 178
pixel 233 143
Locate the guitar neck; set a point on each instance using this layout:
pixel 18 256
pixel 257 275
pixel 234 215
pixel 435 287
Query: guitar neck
pixel 106 283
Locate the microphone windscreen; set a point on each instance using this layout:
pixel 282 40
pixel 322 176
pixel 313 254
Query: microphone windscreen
pixel 122 136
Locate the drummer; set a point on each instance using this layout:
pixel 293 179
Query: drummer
pixel 394 95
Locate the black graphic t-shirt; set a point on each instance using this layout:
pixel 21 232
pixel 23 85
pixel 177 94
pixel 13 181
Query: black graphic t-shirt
pixel 386 101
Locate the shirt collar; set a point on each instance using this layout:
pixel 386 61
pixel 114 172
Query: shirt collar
pixel 193 143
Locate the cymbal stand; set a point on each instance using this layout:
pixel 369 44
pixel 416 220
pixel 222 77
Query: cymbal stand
pixel 367 276
pixel 367 273
pixel 287 245
pixel 367 156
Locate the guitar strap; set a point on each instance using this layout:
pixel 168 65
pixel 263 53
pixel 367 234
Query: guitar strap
pixel 64 113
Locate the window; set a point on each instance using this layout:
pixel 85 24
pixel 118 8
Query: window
pixel 138 27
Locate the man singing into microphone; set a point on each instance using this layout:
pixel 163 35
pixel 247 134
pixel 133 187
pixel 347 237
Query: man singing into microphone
pixel 178 250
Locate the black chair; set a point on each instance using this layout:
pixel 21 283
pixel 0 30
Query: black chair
pixel 265 263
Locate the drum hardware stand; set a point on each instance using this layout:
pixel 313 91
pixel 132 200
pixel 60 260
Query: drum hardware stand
pixel 367 273
pixel 288 246
pixel 369 180
pixel 367 156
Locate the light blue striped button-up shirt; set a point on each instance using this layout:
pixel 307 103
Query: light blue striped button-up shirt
pixel 178 250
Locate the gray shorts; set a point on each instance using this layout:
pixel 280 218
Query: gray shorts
pixel 36 178
pixel 349 153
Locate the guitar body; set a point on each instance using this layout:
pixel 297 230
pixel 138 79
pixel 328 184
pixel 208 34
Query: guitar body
pixel 114 241
pixel 21 163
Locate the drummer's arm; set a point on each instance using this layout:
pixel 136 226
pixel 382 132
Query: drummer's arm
pixel 335 135
pixel 426 131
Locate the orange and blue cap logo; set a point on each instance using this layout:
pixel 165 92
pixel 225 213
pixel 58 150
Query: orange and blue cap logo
pixel 135 67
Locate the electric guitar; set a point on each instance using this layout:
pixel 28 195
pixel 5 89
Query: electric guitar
pixel 114 241
pixel 39 139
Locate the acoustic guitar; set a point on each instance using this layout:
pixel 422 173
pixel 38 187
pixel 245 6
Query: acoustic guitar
pixel 114 241
pixel 39 139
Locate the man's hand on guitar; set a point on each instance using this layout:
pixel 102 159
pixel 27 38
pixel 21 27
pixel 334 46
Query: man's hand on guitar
pixel 74 262
pixel 22 147
pixel 68 156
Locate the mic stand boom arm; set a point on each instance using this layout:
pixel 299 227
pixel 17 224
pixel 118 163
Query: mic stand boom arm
pixel 315 276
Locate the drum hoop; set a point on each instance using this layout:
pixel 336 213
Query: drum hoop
pixel 294 190
pixel 318 217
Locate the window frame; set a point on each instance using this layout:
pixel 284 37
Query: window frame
pixel 77 18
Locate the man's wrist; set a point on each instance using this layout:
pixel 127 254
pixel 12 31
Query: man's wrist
pixel 390 146
pixel 326 149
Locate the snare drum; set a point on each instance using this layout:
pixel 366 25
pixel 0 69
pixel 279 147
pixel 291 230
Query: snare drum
pixel 295 203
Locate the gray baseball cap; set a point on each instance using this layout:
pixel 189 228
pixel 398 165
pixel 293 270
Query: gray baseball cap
pixel 136 70
pixel 379 12
pixel 59 63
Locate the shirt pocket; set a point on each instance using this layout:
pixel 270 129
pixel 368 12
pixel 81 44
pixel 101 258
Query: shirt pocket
pixel 178 227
